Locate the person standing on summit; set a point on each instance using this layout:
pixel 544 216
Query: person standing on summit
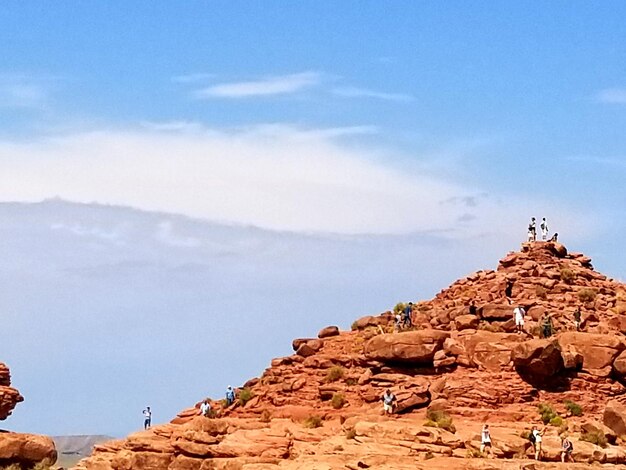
pixel 147 415
pixel 544 229
pixel 407 315
pixel 230 396
pixel 532 230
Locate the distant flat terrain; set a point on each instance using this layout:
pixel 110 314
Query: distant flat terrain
pixel 73 448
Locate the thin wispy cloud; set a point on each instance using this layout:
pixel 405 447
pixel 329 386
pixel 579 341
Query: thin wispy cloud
pixel 356 92
pixel 22 95
pixel 267 86
pixel 612 96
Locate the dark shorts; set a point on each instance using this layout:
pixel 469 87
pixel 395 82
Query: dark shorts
pixel 487 444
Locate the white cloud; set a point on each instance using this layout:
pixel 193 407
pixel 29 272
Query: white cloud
pixel 193 77
pixel 276 177
pixel 354 92
pixel 275 85
pixel 612 96
pixel 21 95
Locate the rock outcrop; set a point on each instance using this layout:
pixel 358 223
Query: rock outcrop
pixel 25 450
pixel 460 366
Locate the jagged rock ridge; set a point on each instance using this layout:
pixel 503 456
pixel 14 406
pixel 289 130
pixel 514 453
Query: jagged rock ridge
pixel 468 364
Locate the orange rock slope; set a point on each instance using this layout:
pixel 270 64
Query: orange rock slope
pixel 25 450
pixel 457 369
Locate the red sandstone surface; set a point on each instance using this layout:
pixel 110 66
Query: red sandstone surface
pixel 472 366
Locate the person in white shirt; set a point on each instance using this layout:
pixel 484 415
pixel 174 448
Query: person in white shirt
pixel 518 314
pixel 532 230
pixel 147 415
pixel 537 441
pixel 205 408
pixel 485 440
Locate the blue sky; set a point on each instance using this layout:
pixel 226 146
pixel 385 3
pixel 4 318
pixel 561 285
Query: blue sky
pixel 450 119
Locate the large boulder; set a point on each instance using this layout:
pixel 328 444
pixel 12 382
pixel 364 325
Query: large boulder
pixel 465 322
pixel 418 347
pixel 9 396
pixel 619 365
pixel 598 350
pixel 538 359
pixel 615 417
pixel 485 349
pixel 26 449
pixel 328 332
pixel 496 312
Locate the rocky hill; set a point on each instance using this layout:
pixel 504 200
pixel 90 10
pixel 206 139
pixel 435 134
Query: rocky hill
pixel 457 368
pixel 25 450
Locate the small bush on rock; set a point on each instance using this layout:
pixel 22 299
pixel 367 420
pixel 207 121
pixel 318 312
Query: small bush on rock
pixel 313 422
pixel 598 438
pixel 568 276
pixel 587 295
pixel 334 373
pixel 337 401
pixel 574 408
pixel 557 421
pixel 442 419
pixel 400 306
pixel 547 413
pixel 245 395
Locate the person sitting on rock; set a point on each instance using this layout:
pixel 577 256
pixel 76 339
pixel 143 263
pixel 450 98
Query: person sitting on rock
pixel 230 396
pixel 407 315
pixel 546 325
pixel 536 441
pixel 485 440
pixel 532 230
pixel 554 238
pixel 577 318
pixel 389 402
pixel 205 408
pixel 518 314
pixel 566 449
pixel 472 308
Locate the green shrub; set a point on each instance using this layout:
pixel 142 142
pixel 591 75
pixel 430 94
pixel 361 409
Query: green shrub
pixel 351 381
pixel 334 373
pixel 43 465
pixel 557 421
pixel 245 395
pixel 587 295
pixel 337 401
pixel 574 408
pixel 350 433
pixel 313 422
pixel 598 438
pixel 442 419
pixel 546 412
pixel 400 306
pixel 567 276
pixel 430 423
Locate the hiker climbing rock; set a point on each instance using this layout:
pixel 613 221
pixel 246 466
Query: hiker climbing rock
pixel 518 314
pixel 554 238
pixel 205 408
pixel 147 415
pixel 535 437
pixel 508 290
pixel 547 329
pixel 566 449
pixel 532 230
pixel 230 396
pixel 485 440
pixel 544 229
pixel 577 318
pixel 389 402
pixel 397 322
pixel 407 315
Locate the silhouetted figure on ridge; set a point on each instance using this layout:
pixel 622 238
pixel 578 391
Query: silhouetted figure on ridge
pixel 532 230
pixel 147 415
pixel 407 315
pixel 544 229
pixel 554 237
pixel 230 396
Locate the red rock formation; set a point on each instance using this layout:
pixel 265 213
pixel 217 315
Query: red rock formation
pixel 466 362
pixel 16 448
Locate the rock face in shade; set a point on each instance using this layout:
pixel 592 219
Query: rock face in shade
pixel 470 364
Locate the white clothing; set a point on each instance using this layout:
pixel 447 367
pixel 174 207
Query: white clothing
pixel 519 316
pixel 537 436
pixel 147 413
pixel 485 437
pixel 387 408
pixel 205 408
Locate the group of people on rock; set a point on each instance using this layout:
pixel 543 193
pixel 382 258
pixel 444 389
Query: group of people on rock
pixel 403 318
pixel 546 326
pixel 532 231
pixel 205 407
pixel 535 436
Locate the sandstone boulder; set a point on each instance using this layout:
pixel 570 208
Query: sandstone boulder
pixel 464 322
pixel 26 449
pixel 418 347
pixel 538 359
pixel 496 312
pixel 615 417
pixel 598 350
pixel 328 332
pixel 619 365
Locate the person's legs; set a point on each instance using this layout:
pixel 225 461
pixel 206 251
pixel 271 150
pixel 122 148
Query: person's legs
pixel 482 448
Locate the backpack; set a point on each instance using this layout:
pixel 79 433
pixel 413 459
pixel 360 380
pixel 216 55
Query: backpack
pixel 531 437
pixel 570 446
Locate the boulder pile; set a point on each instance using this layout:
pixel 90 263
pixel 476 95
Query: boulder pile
pixel 460 366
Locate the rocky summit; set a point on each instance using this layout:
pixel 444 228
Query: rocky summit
pixel 22 450
pixel 459 366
